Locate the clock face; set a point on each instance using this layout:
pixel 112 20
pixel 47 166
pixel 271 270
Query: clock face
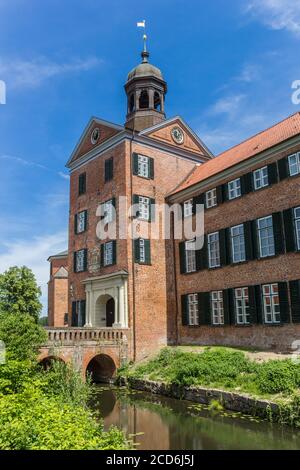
pixel 95 136
pixel 177 135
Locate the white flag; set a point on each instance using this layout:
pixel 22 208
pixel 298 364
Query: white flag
pixel 141 24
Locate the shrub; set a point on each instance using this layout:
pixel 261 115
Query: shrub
pixel 278 376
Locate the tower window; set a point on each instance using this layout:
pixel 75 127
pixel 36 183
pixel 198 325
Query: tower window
pixel 131 104
pixel 144 100
pixel 157 101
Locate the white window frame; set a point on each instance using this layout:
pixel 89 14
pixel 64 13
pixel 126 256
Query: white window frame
pixel 143 166
pixel 80 255
pixel 261 178
pixel 213 244
pixel 272 307
pixel 242 307
pixel 296 164
pixel 190 256
pixel 108 253
pixel 266 233
pixel 144 208
pixel 188 208
pixel 193 309
pixel 238 247
pixel 211 198
pixel 81 221
pixel 297 225
pixel 234 189
pixel 217 307
pixel 142 251
pixel 108 211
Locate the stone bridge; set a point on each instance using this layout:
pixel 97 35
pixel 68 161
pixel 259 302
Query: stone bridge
pixel 98 351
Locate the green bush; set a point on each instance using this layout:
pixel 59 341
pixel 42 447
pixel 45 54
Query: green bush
pixel 278 376
pixel 32 421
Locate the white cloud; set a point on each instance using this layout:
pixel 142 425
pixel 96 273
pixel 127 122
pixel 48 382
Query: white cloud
pixel 32 73
pixel 64 175
pixel 33 253
pixel 29 163
pixel 277 14
pixel 229 105
pixel 249 73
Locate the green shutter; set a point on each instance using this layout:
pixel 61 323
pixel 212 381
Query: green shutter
pixel 272 173
pixel 75 224
pixel 74 262
pixel 136 248
pixel 182 257
pixel 289 230
pixel 295 300
pixel 255 247
pixel 135 201
pixel 184 310
pixel 278 233
pixel 283 168
pixel 151 168
pixel 224 253
pixel 204 308
pixel 246 183
pixel 258 304
pixel 284 302
pixel 226 307
pixel 231 307
pixel 85 220
pixel 85 260
pixel 114 252
pixel 248 241
pixel 135 163
pixel 252 305
pixel 219 191
pixel 102 255
pixel 147 251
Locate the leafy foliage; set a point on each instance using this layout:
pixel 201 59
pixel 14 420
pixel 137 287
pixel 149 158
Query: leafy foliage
pixel 22 336
pixel 19 292
pixel 221 367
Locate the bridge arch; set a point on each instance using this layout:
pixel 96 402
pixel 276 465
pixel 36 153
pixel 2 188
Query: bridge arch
pixel 46 361
pixel 101 368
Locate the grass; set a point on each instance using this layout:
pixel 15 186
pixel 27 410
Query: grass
pixel 222 368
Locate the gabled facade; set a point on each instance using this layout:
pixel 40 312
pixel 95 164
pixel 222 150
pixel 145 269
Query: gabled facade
pixel 242 288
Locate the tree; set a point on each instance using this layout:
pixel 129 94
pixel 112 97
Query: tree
pixel 19 292
pixel 22 336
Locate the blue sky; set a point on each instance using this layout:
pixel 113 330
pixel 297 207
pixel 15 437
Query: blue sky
pixel 229 65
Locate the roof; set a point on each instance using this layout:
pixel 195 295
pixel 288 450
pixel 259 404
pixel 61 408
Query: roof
pixel 145 70
pixel 62 254
pixel 62 273
pixel 266 139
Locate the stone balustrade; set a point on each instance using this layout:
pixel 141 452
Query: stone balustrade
pixel 99 335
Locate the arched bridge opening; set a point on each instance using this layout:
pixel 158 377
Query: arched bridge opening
pixel 47 362
pixel 101 369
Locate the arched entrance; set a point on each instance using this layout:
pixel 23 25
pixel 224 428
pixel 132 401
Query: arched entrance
pixel 105 311
pixel 101 368
pixel 47 361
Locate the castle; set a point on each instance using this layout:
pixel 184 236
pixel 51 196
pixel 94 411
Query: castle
pixel 241 288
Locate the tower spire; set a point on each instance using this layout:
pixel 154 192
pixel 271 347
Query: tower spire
pixel 145 54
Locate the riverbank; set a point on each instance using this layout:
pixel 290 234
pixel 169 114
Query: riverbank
pixel 269 390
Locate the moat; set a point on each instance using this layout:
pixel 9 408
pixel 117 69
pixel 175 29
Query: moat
pixel 159 423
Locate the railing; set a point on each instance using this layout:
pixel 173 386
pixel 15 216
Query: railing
pixel 71 335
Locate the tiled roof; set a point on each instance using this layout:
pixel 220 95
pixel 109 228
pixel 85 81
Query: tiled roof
pixel 266 139
pixel 62 254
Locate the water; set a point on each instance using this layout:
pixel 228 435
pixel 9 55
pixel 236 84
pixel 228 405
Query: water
pixel 160 423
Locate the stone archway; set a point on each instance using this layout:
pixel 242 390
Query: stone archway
pixel 101 368
pixel 46 362
pixel 105 311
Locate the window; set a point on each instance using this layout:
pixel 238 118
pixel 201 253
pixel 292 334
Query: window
pixel 213 250
pixel 82 184
pixel 261 178
pixel 271 303
pixel 143 166
pixel 266 236
pixel 108 169
pixel 234 189
pixel 81 221
pixel 144 100
pixel 217 307
pixel 193 310
pixel 144 208
pixel 297 225
pixel 242 310
pixel 142 251
pixel 190 256
pixel 109 210
pixel 80 261
pixel 108 255
pixel 294 164
pixel 188 208
pixel 211 198
pixel 78 313
pixel 238 244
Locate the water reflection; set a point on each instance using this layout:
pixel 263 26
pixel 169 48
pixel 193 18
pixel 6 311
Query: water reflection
pixel 167 424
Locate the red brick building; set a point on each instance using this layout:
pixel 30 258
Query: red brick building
pixel 58 290
pixel 242 287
